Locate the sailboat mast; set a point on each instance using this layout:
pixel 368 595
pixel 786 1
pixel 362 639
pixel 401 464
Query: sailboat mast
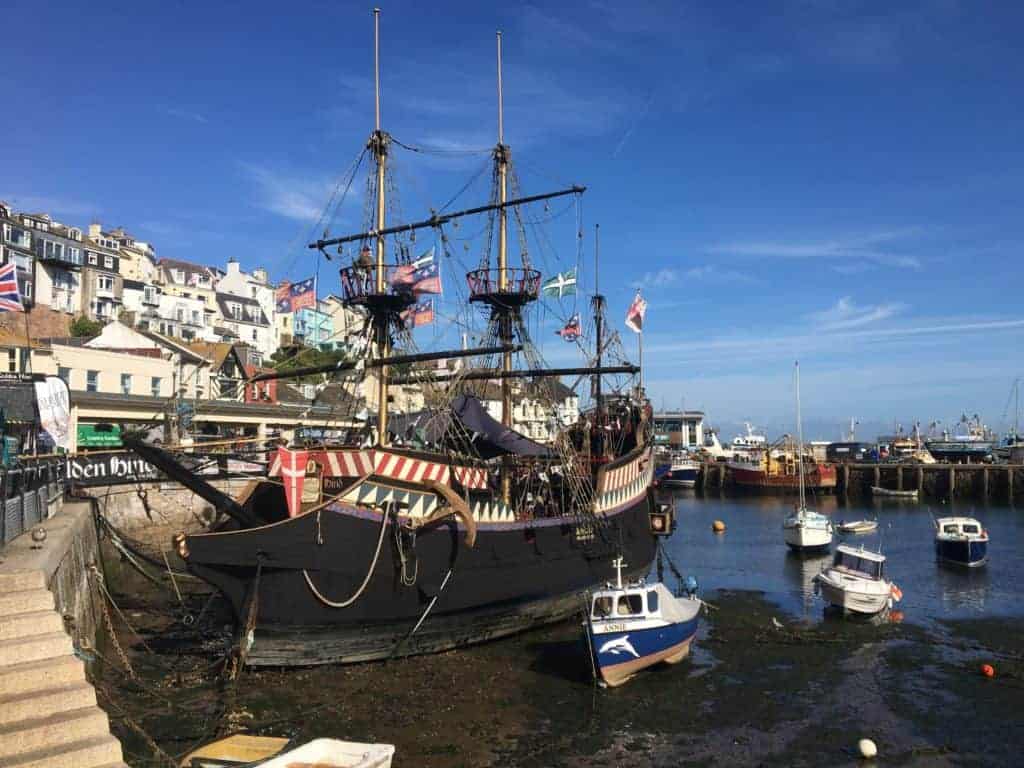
pixel 800 440
pixel 598 319
pixel 379 146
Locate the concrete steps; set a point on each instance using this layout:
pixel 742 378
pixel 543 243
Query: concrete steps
pixel 24 600
pixel 87 753
pixel 58 729
pixel 29 623
pixel 48 712
pixel 36 676
pixel 35 647
pixel 48 701
pixel 18 580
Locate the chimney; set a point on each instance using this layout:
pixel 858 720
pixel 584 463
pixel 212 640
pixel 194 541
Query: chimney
pixel 95 230
pixel 260 274
pixel 234 268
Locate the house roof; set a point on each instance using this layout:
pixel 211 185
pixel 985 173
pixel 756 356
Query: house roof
pixel 215 351
pixel 14 338
pixel 177 346
pixel 223 299
pixel 187 267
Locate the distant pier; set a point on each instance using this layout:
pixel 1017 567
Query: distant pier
pixel 983 482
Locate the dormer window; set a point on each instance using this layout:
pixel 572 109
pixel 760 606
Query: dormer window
pixel 235 310
pixel 178 275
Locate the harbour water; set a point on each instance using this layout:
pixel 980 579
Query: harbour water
pixel 751 556
pixel 773 680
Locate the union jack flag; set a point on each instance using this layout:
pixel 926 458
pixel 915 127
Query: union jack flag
pixel 10 297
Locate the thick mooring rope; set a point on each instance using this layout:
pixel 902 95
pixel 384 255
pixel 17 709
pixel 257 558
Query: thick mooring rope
pixel 373 566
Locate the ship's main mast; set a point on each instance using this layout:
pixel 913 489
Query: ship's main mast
pixel 379 145
pixel 501 157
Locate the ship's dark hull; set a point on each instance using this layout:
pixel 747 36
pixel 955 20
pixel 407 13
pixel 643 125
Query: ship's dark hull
pixel 516 576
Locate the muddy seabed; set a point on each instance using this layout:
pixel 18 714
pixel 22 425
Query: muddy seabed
pixel 752 693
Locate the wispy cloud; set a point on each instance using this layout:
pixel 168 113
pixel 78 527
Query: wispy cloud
pixel 767 344
pixel 710 272
pixel 845 313
pixel 291 195
pixel 880 248
pixel 184 114
pixel 53 205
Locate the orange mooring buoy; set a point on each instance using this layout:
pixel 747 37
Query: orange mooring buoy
pixel 718 526
pixel 988 670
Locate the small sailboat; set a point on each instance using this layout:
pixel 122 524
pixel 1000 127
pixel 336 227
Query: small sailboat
pixel 857 526
pixel 856 581
pixel 634 626
pixel 805 529
pixel 962 541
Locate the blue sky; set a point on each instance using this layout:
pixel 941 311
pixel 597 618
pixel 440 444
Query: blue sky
pixel 834 181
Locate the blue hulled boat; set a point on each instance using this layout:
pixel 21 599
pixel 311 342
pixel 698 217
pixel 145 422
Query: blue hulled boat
pixel 634 626
pixel 682 471
pixel 961 540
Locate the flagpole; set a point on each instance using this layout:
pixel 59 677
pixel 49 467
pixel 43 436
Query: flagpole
pixel 640 344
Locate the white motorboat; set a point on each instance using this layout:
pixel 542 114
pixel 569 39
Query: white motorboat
pixel 856 581
pixel 805 529
pixel 857 526
pixel 961 540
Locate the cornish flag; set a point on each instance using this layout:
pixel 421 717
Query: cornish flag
pixel 635 315
pixel 10 298
pixel 572 330
pixel 562 284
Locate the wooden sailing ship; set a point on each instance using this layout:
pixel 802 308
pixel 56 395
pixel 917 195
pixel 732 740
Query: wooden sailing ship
pixel 469 532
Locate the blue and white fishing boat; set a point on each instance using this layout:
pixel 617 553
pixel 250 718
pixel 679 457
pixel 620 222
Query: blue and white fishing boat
pixel 682 471
pixel 961 540
pixel 634 626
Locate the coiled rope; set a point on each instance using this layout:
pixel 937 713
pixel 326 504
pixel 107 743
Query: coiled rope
pixel 373 565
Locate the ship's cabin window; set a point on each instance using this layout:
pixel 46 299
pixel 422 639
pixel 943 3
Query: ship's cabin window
pixel 970 528
pixel 652 601
pixel 950 528
pixel 630 605
pixel 602 607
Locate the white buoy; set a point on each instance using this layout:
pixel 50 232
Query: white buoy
pixel 867 748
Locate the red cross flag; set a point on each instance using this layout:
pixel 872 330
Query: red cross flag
pixel 635 315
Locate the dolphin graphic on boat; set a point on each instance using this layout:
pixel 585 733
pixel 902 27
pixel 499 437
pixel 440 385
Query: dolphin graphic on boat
pixel 618 646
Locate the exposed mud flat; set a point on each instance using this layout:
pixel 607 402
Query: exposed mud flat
pixel 752 694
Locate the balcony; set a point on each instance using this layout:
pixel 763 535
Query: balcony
pixel 58 255
pixel 151 298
